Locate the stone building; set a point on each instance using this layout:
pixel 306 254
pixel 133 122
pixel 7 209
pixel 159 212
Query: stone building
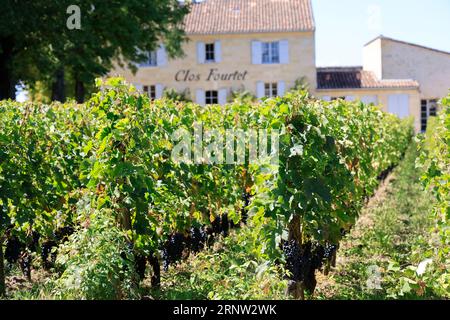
pixel 264 46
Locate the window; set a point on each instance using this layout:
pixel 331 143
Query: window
pixel 423 115
pixel 398 104
pixel 151 60
pixel 211 97
pixel 150 91
pixel 428 108
pixel 270 89
pixel 270 52
pixel 210 52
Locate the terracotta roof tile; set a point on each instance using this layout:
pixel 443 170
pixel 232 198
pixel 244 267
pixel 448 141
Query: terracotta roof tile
pixel 357 78
pixel 249 16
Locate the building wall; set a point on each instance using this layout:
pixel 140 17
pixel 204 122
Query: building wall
pixel 403 61
pixel 382 99
pixel 372 58
pixel 236 56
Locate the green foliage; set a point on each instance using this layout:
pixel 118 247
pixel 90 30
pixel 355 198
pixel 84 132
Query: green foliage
pixel 242 96
pixel 229 270
pixel 97 263
pixel 114 154
pixel 435 162
pixel 301 84
pixel 138 26
pixel 174 95
pixel 330 157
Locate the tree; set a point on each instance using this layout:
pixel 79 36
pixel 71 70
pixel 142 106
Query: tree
pixel 40 46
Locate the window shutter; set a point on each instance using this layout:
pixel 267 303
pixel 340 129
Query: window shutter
pixel 222 96
pixel 284 51
pixel 161 56
pixel 256 52
pixel 159 91
pixel 281 88
pixel 260 89
pixel 398 104
pixel 370 99
pixel 201 52
pixel 218 51
pixel 200 97
pixel 139 87
pixel 349 98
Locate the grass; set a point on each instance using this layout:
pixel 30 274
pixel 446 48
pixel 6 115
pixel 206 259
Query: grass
pixel 393 230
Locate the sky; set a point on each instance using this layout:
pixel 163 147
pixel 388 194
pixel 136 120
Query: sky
pixel 344 26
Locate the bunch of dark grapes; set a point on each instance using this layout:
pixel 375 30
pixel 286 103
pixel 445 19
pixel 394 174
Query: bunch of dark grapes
pixel 317 256
pixel 244 211
pixel 198 239
pixel 173 250
pixel 293 255
pixel 329 251
pixel 25 264
pixel 34 244
pixel 156 277
pixel 217 225
pixel 62 235
pixel 13 249
pixel 140 263
pixel 225 225
pixel 46 251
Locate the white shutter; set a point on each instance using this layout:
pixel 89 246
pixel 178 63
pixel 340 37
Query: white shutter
pixel 260 89
pixel 350 98
pixel 200 97
pixel 370 99
pixel 281 88
pixel 161 56
pixel 159 88
pixel 139 87
pixel 222 96
pixel 284 51
pixel 201 52
pixel 256 52
pixel 218 51
pixel 398 104
pixel 326 98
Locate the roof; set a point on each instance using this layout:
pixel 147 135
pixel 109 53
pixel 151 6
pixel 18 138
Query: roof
pixel 406 43
pixel 357 78
pixel 249 16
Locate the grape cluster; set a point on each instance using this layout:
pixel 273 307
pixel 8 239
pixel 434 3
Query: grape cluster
pixel 47 248
pixel 317 256
pixel 154 263
pixel 46 252
pixel 293 255
pixel 13 249
pixel 244 211
pixel 225 225
pixel 140 263
pixel 216 225
pixel 173 250
pixel 303 261
pixel 198 238
pixel 329 251
pixel 25 264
